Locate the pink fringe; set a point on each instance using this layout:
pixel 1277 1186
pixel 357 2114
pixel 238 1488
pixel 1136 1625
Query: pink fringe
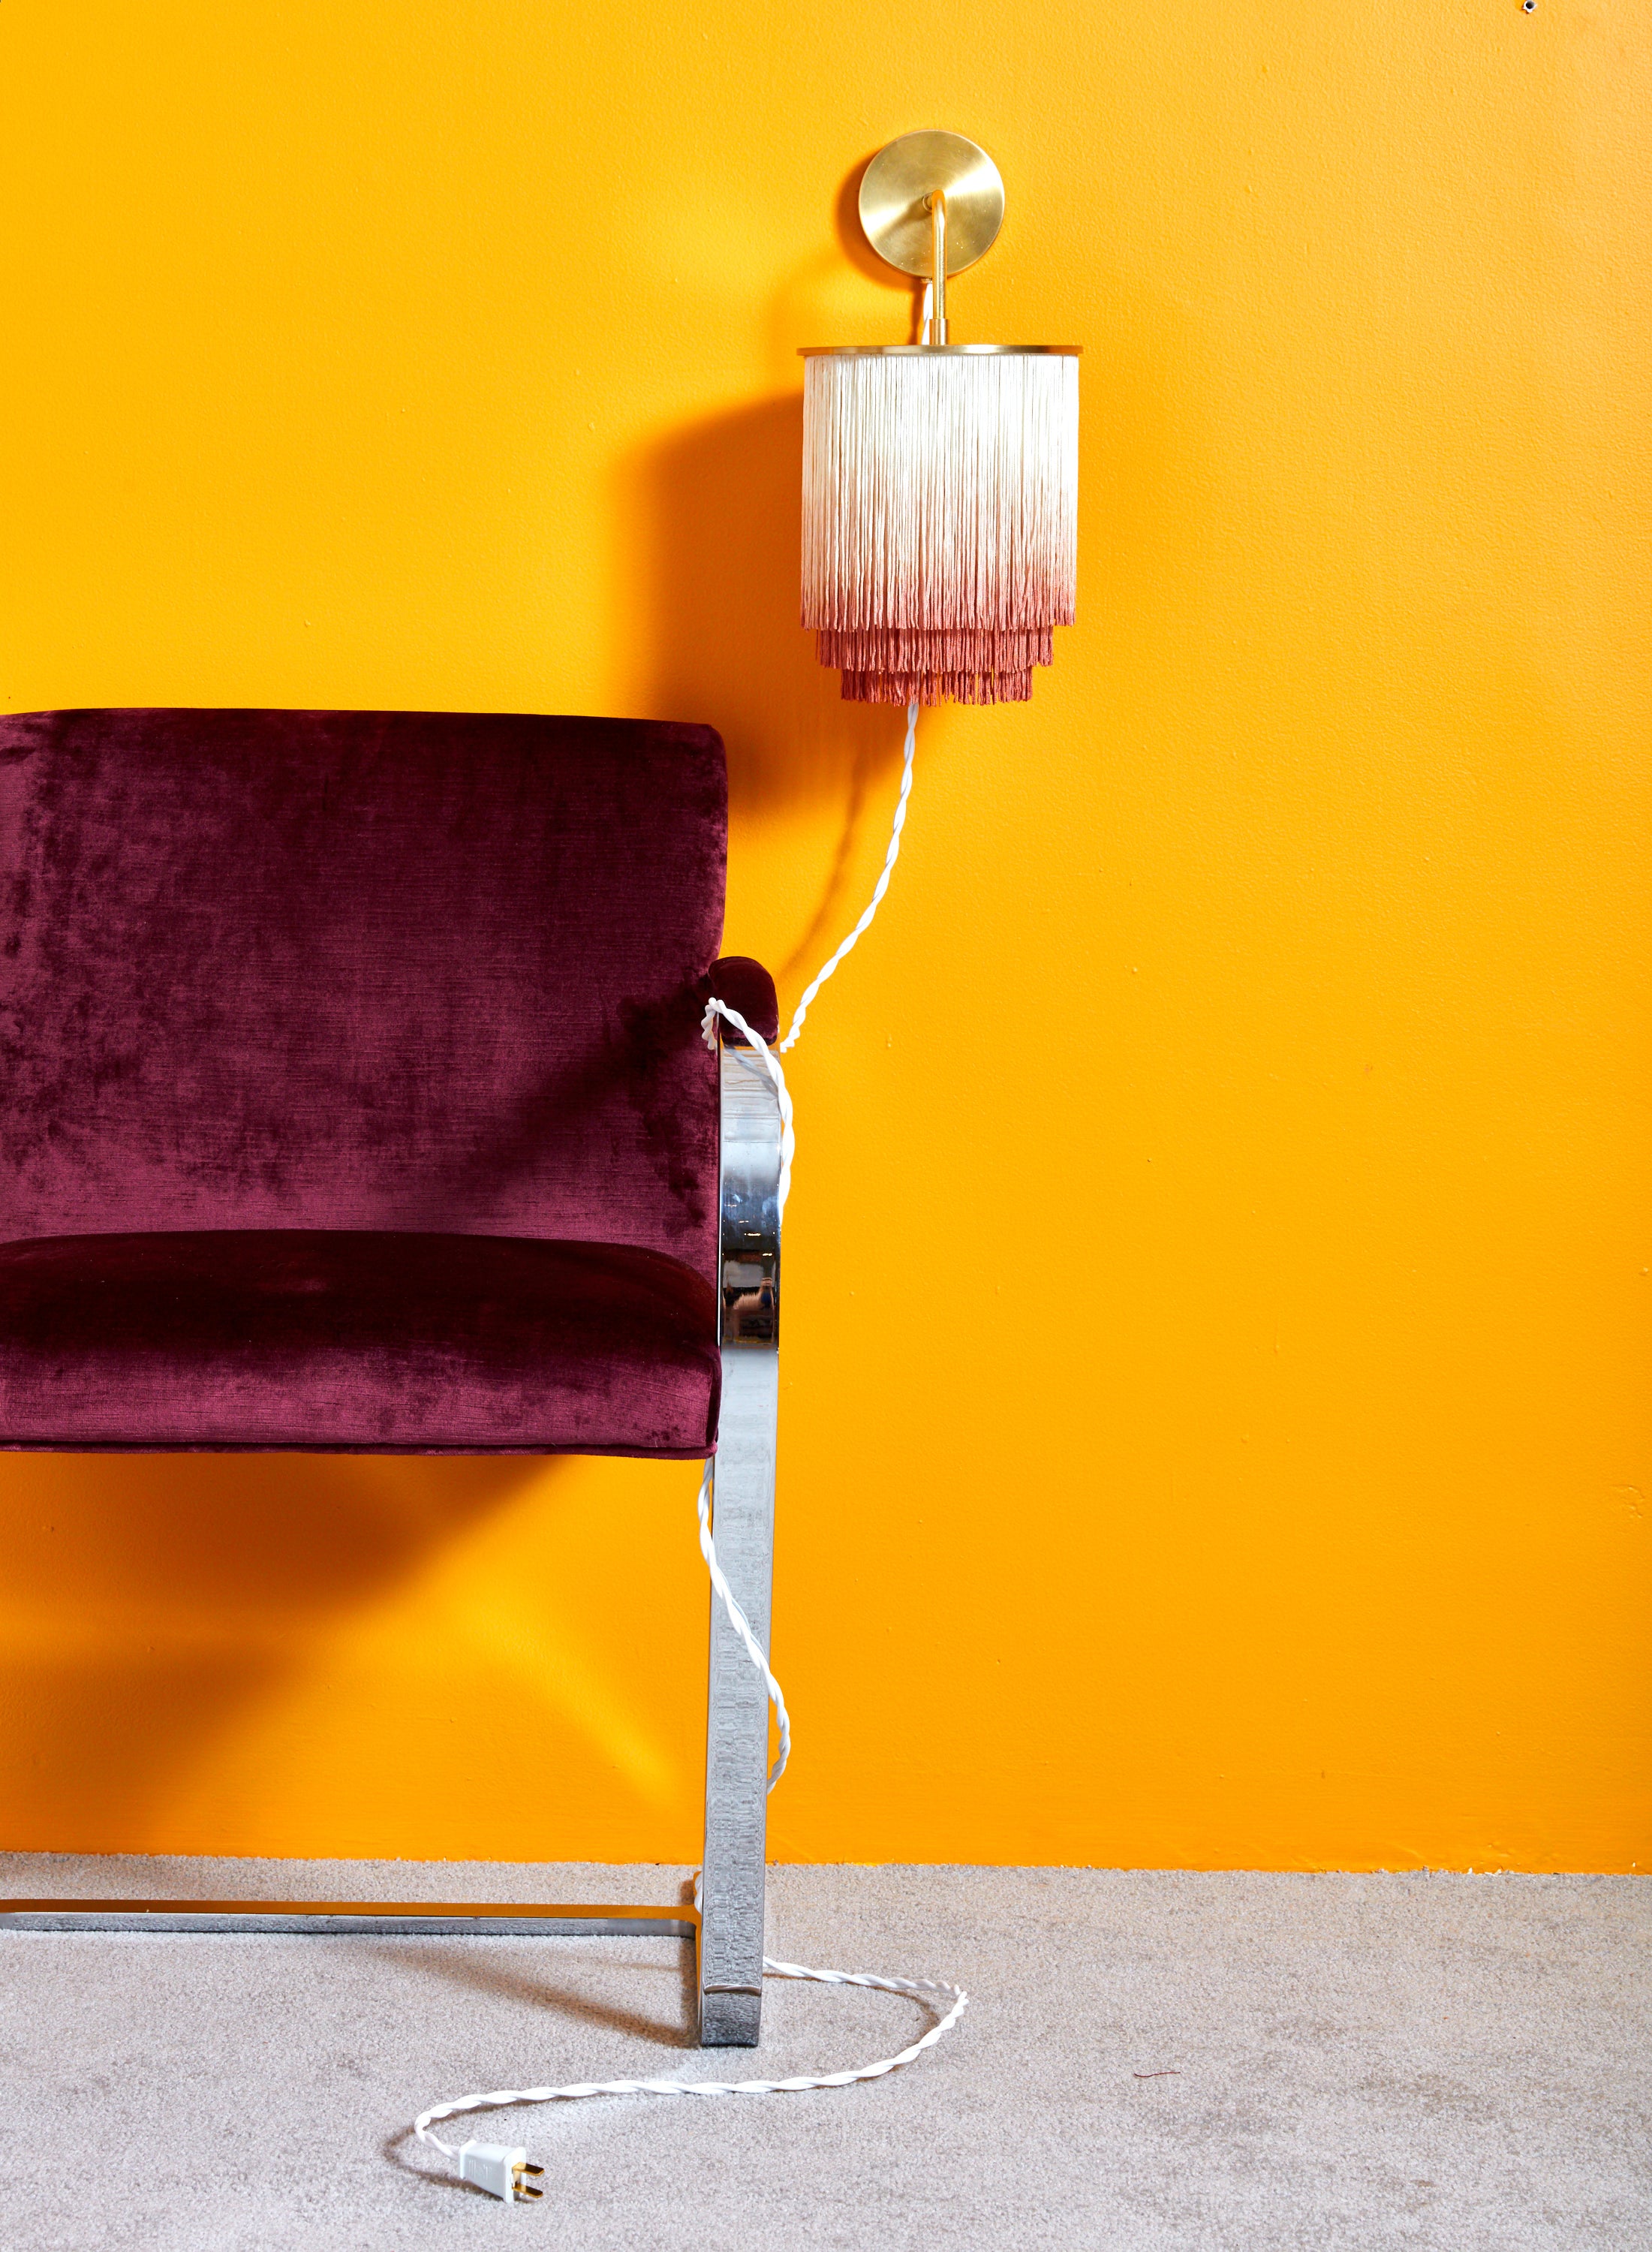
pixel 940 522
pixel 913 648
pixel 932 687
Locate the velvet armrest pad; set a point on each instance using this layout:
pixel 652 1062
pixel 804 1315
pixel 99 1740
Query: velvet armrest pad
pixel 746 985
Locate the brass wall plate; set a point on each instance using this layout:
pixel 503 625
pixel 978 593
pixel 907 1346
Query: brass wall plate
pixel 892 211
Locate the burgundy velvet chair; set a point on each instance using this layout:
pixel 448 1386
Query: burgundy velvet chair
pixel 354 1099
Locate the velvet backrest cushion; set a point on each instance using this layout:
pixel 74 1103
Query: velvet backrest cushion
pixel 364 970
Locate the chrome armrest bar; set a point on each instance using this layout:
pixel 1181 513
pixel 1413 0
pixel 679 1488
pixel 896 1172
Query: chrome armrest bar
pixel 749 1200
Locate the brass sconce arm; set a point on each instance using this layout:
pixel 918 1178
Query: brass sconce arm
pixel 937 206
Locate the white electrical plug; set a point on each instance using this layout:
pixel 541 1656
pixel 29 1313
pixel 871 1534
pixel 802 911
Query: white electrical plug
pixel 499 2169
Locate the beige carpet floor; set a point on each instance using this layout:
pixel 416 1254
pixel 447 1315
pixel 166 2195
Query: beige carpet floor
pixel 1152 2062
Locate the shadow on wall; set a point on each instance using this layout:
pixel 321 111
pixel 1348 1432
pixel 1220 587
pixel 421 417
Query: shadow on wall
pixel 152 1603
pixel 721 504
pixel 150 1600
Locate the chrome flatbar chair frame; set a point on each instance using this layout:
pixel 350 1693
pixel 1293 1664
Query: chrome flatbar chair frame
pixel 727 1925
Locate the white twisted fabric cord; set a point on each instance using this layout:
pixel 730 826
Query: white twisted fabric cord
pixel 771 1063
pixel 742 1626
pixel 921 1990
pixel 876 899
pixel 932 1992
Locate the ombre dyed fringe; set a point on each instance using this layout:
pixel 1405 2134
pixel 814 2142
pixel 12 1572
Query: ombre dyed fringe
pixel 932 687
pixel 939 521
pixel 903 664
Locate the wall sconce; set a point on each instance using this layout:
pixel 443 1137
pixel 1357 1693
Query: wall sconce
pixel 940 480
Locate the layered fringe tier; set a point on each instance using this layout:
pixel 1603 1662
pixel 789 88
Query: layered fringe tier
pixel 932 687
pixel 906 665
pixel 940 520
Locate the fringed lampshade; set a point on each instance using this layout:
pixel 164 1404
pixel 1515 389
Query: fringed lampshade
pixel 940 480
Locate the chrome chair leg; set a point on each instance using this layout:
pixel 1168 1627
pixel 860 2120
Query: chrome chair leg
pixel 730 1975
pixel 731 1882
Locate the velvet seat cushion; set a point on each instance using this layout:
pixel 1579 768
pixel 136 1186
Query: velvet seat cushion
pixel 331 1339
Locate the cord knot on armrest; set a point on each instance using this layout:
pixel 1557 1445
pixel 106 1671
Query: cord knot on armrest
pixel 747 987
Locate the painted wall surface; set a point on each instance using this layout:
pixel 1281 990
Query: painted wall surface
pixel 1215 1399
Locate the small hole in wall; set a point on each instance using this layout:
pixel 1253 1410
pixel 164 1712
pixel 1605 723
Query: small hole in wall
pixel 1530 6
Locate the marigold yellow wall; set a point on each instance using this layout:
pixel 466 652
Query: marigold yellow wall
pixel 1213 1428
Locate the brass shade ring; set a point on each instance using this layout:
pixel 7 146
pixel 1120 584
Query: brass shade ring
pixel 939 352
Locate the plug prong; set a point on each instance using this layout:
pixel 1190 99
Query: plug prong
pixel 522 2187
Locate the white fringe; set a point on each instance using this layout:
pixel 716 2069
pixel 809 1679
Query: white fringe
pixel 939 513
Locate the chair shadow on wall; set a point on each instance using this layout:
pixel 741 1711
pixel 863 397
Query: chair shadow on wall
pixel 151 1600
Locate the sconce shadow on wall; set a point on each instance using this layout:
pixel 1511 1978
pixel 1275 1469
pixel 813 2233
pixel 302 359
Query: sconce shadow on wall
pixel 722 501
pixel 722 505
